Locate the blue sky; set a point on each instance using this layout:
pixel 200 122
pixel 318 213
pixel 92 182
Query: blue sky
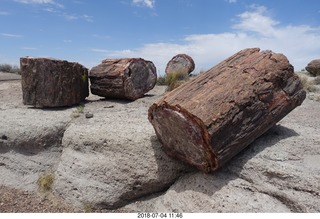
pixel 208 30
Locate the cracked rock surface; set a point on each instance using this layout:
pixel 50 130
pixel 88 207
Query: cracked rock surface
pixel 114 161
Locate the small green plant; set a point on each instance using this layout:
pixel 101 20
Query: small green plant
pixel 45 182
pixel 84 78
pixel 161 80
pixel 80 108
pixel 78 111
pixel 87 208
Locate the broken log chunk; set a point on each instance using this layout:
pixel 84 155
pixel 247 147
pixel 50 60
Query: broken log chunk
pixel 50 82
pixel 209 119
pixel 128 78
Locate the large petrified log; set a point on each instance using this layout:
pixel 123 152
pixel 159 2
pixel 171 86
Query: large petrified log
pixel 128 78
pixel 50 82
pixel 211 118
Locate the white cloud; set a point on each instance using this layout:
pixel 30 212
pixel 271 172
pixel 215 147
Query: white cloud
pixel 4 13
pixel 29 48
pixel 145 3
pixel 257 21
pixel 10 35
pixel 100 50
pixel 253 28
pixel 71 17
pixel 232 1
pixel 52 2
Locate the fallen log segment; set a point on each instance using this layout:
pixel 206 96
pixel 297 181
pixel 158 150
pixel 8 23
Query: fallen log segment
pixel 128 78
pixel 48 82
pixel 209 119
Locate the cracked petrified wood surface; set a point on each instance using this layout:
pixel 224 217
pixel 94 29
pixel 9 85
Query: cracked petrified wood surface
pixel 50 82
pixel 128 78
pixel 213 117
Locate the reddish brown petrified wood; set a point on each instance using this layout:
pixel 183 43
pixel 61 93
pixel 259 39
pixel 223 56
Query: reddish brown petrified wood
pixel 211 118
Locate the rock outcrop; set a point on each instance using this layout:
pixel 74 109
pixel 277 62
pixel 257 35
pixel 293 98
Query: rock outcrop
pixel 113 158
pixel 53 83
pixel 181 64
pixel 123 78
pixel 314 67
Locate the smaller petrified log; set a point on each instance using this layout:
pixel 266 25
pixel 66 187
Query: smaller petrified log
pixel 50 82
pixel 128 78
pixel 180 63
pixel 313 67
pixel 214 116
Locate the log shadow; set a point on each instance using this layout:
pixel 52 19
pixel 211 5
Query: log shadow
pixel 110 100
pixel 271 137
pixel 211 183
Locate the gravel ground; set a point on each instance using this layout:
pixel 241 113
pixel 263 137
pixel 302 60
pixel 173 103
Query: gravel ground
pixel 17 201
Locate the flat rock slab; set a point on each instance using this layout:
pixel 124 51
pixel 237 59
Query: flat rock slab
pixel 30 138
pixel 114 157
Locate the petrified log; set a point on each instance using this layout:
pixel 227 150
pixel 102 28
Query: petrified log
pixel 214 116
pixel 128 78
pixel 313 67
pixel 181 64
pixel 50 82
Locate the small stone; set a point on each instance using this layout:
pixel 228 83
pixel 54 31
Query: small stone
pixel 4 137
pixel 89 115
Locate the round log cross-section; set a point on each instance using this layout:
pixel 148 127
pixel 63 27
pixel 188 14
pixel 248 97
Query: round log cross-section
pixel 128 78
pixel 211 118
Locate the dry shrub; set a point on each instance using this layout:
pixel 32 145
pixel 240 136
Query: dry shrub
pixel 174 80
pixel 45 182
pixel 317 80
pixel 308 85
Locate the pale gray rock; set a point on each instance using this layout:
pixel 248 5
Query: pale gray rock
pixel 30 144
pixel 114 157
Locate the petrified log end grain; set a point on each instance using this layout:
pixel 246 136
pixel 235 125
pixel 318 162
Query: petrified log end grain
pixel 128 78
pixel 50 82
pixel 214 116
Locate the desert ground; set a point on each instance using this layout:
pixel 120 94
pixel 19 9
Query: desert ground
pixel 114 163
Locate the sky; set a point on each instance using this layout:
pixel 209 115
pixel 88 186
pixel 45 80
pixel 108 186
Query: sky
pixel 209 31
